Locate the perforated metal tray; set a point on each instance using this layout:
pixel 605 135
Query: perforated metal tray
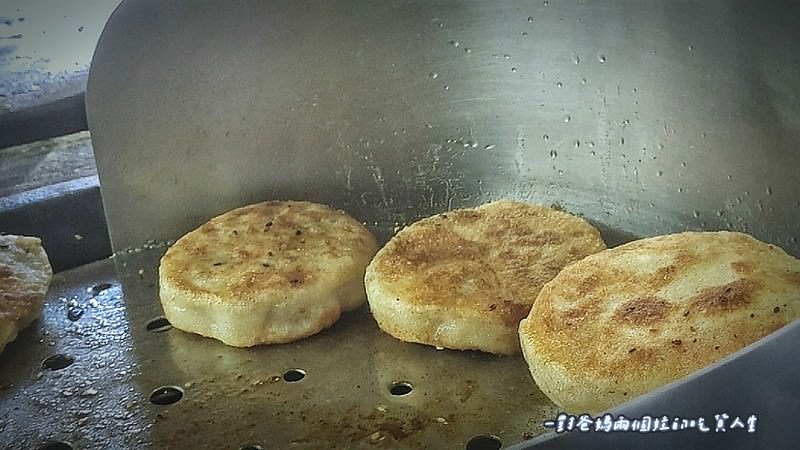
pixel 242 398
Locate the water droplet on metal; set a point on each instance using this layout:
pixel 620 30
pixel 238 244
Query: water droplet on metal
pixel 545 3
pixel 75 312
pixel 446 87
pixel 513 69
pixel 507 56
pixel 559 84
pixel 769 190
pixel 691 48
pixel 524 34
pixel 455 44
pixel 89 392
pixel 696 213
pixel 468 50
pixel 601 58
pixel 553 154
pixel 660 173
pixel 577 143
pixel 593 153
pixel 626 122
pixel 433 75
pixel 576 59
pixel 489 147
pixel 567 118
pixel 583 81
pixel 545 137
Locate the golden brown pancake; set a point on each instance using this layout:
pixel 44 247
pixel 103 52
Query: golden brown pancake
pixel 464 279
pixel 266 273
pixel 627 320
pixel 25 275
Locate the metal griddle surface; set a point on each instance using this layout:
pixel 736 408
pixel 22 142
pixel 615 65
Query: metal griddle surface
pixel 238 397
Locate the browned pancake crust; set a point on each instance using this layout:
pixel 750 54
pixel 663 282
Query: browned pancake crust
pixel 624 321
pixel 264 247
pixel 25 275
pixel 270 272
pixel 485 264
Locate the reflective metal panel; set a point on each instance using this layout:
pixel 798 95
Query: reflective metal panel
pixel 645 117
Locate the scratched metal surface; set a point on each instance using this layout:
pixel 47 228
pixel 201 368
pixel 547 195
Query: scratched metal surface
pixel 237 397
pixel 651 118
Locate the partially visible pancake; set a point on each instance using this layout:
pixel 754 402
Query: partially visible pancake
pixel 627 320
pixel 25 275
pixel 464 279
pixel 267 273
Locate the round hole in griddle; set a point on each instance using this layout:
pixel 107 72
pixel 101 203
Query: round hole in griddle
pixel 294 375
pixel 400 388
pixel 159 324
pixel 57 361
pixel 251 447
pixel 166 395
pixel 55 445
pixel 484 442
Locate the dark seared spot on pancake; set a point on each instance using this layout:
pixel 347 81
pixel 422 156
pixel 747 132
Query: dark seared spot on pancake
pixel 16 305
pixel 666 272
pixel 297 277
pixel 589 284
pixel 429 246
pixel 643 311
pixel 464 217
pixel 729 297
pixel 511 313
pixel 642 353
pixel 574 316
pixel 684 258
